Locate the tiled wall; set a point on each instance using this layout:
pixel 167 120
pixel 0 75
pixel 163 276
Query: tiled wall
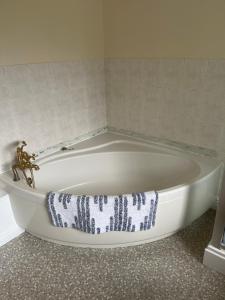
pixel 181 100
pixel 49 103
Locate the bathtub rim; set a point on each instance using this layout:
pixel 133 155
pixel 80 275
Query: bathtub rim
pixel 8 185
pixel 167 149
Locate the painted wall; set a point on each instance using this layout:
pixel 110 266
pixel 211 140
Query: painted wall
pixel 165 69
pixel 50 30
pixel 164 29
pixel 51 72
pixel 46 103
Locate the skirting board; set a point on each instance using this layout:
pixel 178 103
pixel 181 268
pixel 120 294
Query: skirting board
pixel 10 234
pixel 214 259
pixel 8 227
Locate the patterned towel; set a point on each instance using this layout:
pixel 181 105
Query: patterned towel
pixel 98 214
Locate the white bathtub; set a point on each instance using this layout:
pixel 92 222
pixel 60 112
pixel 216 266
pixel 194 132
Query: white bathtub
pixel 111 164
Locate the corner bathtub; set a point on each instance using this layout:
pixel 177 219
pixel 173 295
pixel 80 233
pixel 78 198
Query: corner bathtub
pixel 187 185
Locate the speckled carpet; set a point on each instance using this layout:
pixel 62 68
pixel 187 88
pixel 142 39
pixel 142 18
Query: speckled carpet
pixel 167 269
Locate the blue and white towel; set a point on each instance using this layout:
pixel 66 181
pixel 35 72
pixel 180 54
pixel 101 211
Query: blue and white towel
pixel 99 214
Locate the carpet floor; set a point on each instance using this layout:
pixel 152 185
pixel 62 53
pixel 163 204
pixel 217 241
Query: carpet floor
pixel 167 269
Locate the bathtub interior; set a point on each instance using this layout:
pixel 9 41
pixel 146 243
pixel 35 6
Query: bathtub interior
pixel 115 172
pixel 110 164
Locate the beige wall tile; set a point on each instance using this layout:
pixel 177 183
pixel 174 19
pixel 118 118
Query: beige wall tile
pixel 45 104
pixel 181 100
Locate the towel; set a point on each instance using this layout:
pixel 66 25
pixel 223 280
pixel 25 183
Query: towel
pixel 101 213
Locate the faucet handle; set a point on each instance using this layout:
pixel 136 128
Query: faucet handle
pixel 34 155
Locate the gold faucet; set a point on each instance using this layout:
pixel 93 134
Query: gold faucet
pixel 23 163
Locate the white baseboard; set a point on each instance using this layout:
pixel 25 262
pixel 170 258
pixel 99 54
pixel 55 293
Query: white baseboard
pixel 10 234
pixel 215 259
pixel 8 227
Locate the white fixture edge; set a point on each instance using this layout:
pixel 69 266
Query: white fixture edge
pixel 9 229
pixel 214 259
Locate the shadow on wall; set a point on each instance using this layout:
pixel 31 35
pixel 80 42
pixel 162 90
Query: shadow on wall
pixel 10 149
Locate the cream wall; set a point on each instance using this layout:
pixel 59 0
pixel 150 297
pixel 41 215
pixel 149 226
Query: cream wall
pixel 51 72
pixel 33 31
pixel 55 30
pixel 164 28
pixel 46 103
pixel 165 69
